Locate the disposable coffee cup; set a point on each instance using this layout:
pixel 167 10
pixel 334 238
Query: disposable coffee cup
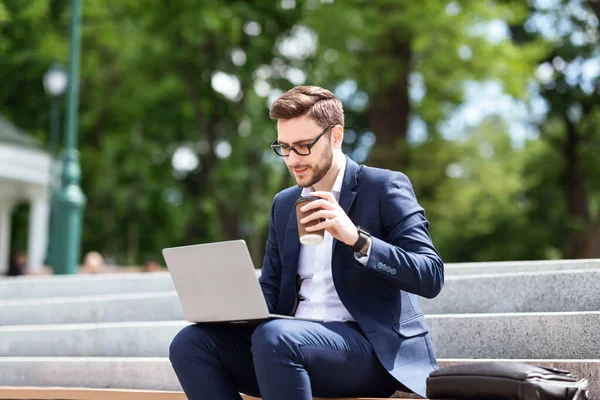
pixel 312 237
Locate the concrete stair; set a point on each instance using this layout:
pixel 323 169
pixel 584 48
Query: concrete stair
pixel 570 335
pixel 499 267
pixel 547 291
pixel 554 291
pixel 147 306
pixel 31 287
pixel 514 335
pixel 155 373
pixel 146 373
pixel 113 331
pixel 122 339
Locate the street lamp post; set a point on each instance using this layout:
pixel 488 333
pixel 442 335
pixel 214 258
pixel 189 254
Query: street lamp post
pixel 55 83
pixel 70 200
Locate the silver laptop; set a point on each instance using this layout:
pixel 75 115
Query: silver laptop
pixel 217 282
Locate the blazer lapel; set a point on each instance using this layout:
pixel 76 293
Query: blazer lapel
pixel 347 195
pixel 291 245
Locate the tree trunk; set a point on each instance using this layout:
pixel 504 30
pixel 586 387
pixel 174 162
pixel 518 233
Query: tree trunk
pixel 575 185
pixel 592 241
pixel 390 111
pixel 205 126
pixel 595 5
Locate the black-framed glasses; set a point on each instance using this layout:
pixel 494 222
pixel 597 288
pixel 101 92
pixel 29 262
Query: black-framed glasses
pixel 283 150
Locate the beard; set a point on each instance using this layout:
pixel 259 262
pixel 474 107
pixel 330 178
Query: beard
pixel 318 171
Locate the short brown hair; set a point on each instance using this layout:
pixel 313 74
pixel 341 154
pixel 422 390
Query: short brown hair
pixel 313 101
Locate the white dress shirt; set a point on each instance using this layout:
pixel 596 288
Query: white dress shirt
pixel 318 297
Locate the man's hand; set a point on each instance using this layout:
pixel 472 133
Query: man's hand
pixel 337 223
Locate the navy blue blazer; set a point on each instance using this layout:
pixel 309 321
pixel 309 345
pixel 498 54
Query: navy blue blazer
pixel 381 296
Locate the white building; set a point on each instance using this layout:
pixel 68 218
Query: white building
pixel 25 176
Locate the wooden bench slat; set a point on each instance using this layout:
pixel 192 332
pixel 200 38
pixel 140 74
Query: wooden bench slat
pixel 246 397
pixel 62 393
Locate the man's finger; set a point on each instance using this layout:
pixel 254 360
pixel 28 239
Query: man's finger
pixel 317 204
pixel 323 194
pixel 323 225
pixel 319 214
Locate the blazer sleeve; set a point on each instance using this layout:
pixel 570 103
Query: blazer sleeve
pixel 270 277
pixel 405 253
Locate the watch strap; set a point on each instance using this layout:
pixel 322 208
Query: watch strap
pixel 363 237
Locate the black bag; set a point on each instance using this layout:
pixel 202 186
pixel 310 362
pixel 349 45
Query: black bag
pixel 505 381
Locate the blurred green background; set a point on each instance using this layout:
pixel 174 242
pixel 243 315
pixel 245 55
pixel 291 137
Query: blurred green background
pixel 491 107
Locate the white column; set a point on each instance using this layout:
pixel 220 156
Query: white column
pixel 37 242
pixel 5 222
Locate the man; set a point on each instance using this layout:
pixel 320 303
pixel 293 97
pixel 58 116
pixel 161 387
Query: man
pixel 361 282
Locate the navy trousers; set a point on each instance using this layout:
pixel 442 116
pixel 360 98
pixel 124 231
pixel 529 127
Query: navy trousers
pixel 279 359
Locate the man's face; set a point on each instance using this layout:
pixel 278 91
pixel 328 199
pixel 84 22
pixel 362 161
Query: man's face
pixel 306 170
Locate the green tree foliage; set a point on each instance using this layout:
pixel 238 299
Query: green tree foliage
pixel 388 46
pixel 187 84
pixel 479 205
pixel 568 81
pixel 146 72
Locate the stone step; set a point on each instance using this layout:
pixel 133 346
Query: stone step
pixel 555 291
pixel 90 372
pixel 515 335
pixel 149 373
pixel 81 285
pixel 493 293
pixel 477 268
pixel 570 335
pixel 157 374
pixel 154 306
pixel 30 287
pixel 122 339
